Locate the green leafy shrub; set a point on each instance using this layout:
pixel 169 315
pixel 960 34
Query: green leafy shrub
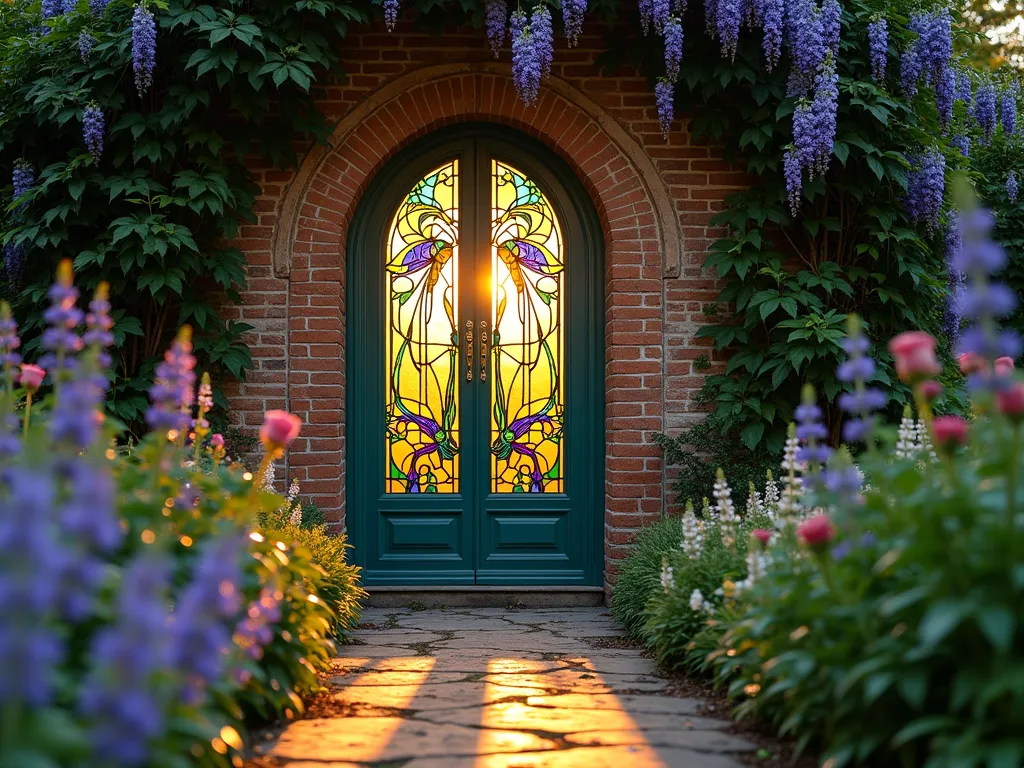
pixel 638 579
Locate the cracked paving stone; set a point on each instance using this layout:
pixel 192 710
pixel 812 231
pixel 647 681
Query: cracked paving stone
pixel 500 689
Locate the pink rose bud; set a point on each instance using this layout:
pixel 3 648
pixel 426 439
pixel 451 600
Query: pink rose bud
pixel 1010 400
pixel 279 429
pixel 915 355
pixel 949 430
pixel 816 531
pixel 971 363
pixel 929 390
pixel 1004 366
pixel 32 377
pixel 217 440
pixel 762 535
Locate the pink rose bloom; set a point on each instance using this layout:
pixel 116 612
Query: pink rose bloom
pixel 949 430
pixel 762 535
pixel 1004 366
pixel 915 355
pixel 816 531
pixel 1010 400
pixel 32 377
pixel 217 440
pixel 971 363
pixel 279 429
pixel 930 390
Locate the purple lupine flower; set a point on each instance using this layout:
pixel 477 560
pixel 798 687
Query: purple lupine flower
pixel 810 432
pixel 573 12
pixel 983 300
pixel 88 515
pixel 673 47
pixel 985 109
pixel 77 418
pixel 773 18
pixel 390 14
pixel 85 44
pixel 30 651
pixel 878 44
pixel 255 631
pixel 646 8
pixel 9 341
pixel 122 696
pixel 830 19
pixel 1008 111
pixel 945 94
pixel 204 615
pixel 660 11
pixel 143 47
pixel 952 313
pixel 80 575
pixel 60 339
pixel 793 172
pixel 93 127
pixel 862 401
pixel 664 97
pixel 98 6
pixel 98 325
pixel 845 482
pixel 173 391
pixel 926 185
pixel 962 142
pixel 526 70
pixel 727 25
pixel 496 16
pixel 542 38
pixel 910 72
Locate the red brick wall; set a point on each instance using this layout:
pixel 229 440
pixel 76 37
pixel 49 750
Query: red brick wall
pixel 654 198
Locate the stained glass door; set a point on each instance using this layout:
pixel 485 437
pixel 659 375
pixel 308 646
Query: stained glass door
pixel 472 333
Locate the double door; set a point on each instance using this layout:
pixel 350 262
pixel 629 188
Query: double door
pixel 473 449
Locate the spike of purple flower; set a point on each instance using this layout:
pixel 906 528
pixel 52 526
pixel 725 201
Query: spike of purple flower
pixel 573 12
pixel 773 17
pixel 926 185
pixel 67 6
pixel 710 17
pixel 830 19
pixel 878 45
pixel 806 40
pixel 1008 111
pixel 390 14
pixel 9 341
pixel 793 172
pixel 174 389
pixel 963 143
pixel 93 127
pixel 1011 187
pixel 727 24
pixel 496 16
pixel 945 95
pixel 824 110
pixel 23 176
pixel 664 98
pixel 985 109
pixel 98 6
pixel 910 72
pixel 98 324
pixel 85 44
pixel 60 339
pixel 660 12
pixel 143 47
pixel 964 88
pixel 646 9
pixel 673 47
pixel 952 313
pixel 542 38
pixel 51 8
pixel 526 71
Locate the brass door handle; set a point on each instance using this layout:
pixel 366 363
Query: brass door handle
pixel 469 350
pixel 483 350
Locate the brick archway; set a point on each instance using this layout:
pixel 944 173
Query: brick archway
pixel 642 246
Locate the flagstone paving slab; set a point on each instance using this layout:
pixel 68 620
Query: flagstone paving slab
pixel 486 688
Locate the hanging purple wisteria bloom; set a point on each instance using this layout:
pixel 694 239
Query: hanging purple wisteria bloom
pixel 727 25
pixel 23 176
pixel 985 109
pixel 824 109
pixel 517 23
pixel 710 17
pixel 773 19
pixel 1008 111
pixel 945 95
pixel 67 6
pixel 952 314
pixel 664 97
pixel 143 47
pixel 51 9
pixel 804 134
pixel 98 6
pixel 807 45
pixel 830 18
pixel 526 71
pixel 85 44
pixel 878 45
pixel 660 11
pixel 963 143
pixel 646 8
pixel 964 88
pixel 926 184
pixel 573 12
pixel 542 38
pixel 93 127
pixel 673 47
pixel 496 16
pixel 390 14
pixel 793 172
pixel 910 72
pixel 1011 187
pixel 935 46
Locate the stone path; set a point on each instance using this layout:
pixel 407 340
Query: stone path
pixel 495 688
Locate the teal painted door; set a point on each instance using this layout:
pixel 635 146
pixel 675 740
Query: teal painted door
pixel 475 435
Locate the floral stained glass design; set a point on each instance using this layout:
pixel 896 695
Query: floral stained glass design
pixel 422 398
pixel 527 446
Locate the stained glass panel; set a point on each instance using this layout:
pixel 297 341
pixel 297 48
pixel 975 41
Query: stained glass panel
pixel 422 399
pixel 527 446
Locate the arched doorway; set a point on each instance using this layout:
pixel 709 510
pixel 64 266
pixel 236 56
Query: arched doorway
pixel 475 354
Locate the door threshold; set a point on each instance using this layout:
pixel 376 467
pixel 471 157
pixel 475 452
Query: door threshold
pixel 484 596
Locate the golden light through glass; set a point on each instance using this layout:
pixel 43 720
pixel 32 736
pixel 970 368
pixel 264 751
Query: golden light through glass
pixel 421 338
pixel 527 273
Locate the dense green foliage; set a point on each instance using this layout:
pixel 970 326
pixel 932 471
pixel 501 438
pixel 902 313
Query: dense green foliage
pixel 153 216
pixel 638 579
